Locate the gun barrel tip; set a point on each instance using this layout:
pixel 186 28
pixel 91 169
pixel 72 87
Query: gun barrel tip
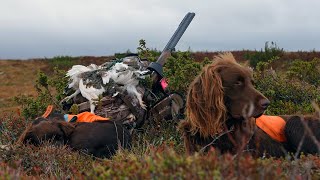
pixel 192 13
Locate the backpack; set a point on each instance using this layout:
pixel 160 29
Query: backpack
pixel 125 108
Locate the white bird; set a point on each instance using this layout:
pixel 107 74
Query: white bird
pixel 77 83
pixel 121 74
pixel 90 93
pixel 91 81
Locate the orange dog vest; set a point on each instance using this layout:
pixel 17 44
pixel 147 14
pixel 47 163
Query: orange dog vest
pixel 273 126
pixel 86 117
pixel 82 117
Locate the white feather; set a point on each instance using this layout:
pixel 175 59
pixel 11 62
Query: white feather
pixel 115 94
pixel 90 93
pixel 123 78
pixel 76 81
pixel 75 71
pixel 133 91
pixel 114 72
pixel 140 74
pixel 120 73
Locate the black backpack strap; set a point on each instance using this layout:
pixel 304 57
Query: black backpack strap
pixel 168 107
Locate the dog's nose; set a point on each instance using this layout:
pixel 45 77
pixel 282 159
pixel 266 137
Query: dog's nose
pixel 264 103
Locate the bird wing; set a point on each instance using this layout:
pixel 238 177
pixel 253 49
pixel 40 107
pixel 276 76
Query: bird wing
pixel 90 93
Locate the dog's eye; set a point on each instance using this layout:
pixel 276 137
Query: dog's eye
pixel 238 83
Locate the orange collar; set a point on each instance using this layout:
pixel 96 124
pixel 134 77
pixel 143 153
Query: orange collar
pixel 273 126
pixel 48 111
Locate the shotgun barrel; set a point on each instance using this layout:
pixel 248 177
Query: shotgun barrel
pixel 166 52
pixel 176 36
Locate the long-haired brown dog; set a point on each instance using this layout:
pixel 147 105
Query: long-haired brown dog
pixel 100 139
pixel 222 107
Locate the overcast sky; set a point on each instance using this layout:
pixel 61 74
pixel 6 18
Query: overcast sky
pixel 47 28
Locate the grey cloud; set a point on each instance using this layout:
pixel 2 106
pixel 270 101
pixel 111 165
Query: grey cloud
pixel 80 27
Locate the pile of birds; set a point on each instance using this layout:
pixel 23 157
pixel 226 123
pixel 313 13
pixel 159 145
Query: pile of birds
pixel 93 81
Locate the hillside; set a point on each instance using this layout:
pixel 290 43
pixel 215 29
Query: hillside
pixel 18 77
pixel 291 80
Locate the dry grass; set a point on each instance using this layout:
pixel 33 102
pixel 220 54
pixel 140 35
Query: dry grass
pixel 17 78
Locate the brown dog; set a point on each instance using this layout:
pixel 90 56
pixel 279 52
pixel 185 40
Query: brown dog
pixel 222 107
pixel 101 139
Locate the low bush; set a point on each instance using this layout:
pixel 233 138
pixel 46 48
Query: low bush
pixel 180 70
pixel 46 88
pixel 165 163
pixel 62 62
pixel 161 162
pixel 269 52
pixel 307 71
pixel 287 95
pixel 145 53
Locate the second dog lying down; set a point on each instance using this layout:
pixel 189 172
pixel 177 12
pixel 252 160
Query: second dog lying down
pixel 101 138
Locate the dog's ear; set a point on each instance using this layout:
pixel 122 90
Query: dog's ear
pixel 205 103
pixel 66 128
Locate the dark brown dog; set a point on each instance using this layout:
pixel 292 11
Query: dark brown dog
pixel 221 108
pixel 101 139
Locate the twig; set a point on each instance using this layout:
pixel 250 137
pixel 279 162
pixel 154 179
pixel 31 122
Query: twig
pixel 300 145
pixel 214 140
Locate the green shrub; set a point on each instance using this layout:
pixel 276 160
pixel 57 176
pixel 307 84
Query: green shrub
pixel 287 96
pixel 121 55
pixel 269 52
pixel 146 53
pixel 62 62
pixel 308 71
pixel 180 70
pixel 45 86
pixel 58 81
pixel 33 107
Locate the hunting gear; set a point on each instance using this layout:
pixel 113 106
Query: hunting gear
pixel 128 90
pixel 81 117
